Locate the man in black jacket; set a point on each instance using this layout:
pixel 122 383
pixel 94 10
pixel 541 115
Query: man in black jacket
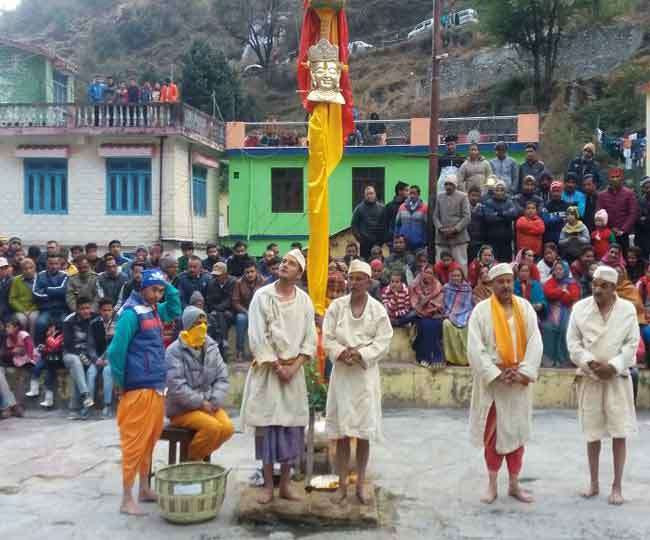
pixel 193 280
pixel 368 222
pixel 77 354
pixel 390 212
pixel 584 165
pixel 219 305
pixel 238 261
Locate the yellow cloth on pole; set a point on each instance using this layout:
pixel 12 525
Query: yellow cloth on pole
pixel 325 152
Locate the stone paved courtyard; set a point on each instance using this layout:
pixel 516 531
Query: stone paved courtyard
pixel 61 480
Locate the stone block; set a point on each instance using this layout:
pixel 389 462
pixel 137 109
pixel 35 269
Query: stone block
pixel 315 509
pixel 400 346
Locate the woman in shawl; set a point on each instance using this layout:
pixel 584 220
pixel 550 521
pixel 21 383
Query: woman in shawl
pixel 426 299
pixel 635 264
pixel 561 292
pixel 485 258
pixel 574 235
pixel 527 256
pixel 529 288
pixel 614 256
pixel 457 304
pixel 483 290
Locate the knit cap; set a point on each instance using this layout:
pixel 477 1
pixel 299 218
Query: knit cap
pixel 190 315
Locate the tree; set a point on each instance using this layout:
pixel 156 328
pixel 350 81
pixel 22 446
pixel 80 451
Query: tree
pixel 255 24
pixel 535 27
pixel 208 81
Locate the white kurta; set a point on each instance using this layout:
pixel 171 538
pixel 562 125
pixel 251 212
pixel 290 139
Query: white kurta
pixel 605 408
pixel 277 331
pixel 514 403
pixel 354 395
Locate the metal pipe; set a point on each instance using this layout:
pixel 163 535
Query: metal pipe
pixel 160 188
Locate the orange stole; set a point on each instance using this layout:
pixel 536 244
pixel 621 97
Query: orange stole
pixel 140 418
pixel 503 336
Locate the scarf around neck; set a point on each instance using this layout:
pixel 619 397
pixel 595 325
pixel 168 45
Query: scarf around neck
pixel 510 358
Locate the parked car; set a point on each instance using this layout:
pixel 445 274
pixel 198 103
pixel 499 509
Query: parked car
pixel 356 47
pixel 421 28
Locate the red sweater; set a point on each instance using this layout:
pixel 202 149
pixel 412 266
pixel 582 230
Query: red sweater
pixel 443 271
pixel 530 234
pixel 553 292
pixel 601 239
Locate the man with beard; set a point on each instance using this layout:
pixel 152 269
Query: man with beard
pixel 239 259
pixel 391 209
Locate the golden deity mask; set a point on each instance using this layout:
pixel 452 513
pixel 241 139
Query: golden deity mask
pixel 325 70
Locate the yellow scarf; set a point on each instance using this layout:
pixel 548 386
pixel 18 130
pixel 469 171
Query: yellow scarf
pixel 503 336
pixel 195 336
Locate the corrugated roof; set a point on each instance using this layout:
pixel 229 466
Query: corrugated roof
pixel 60 63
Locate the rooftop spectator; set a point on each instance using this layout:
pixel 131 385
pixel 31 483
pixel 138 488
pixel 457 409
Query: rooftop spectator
pixel 474 171
pixel 505 168
pixel 169 92
pixel 532 166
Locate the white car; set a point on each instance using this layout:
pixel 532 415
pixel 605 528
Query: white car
pixel 359 47
pixel 424 26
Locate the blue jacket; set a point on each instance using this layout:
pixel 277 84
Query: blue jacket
pixel 136 353
pixel 554 216
pixel 187 285
pixel 49 291
pixel 96 93
pixel 577 198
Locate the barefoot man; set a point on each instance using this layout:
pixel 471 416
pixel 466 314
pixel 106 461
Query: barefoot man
pixel 357 334
pixel 137 358
pixel 505 352
pixel 603 338
pixel 282 337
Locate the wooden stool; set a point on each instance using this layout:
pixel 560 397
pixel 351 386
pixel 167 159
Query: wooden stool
pixel 179 443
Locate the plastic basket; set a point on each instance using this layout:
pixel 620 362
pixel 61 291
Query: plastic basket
pixel 191 492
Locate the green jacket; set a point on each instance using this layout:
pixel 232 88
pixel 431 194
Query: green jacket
pixel 21 299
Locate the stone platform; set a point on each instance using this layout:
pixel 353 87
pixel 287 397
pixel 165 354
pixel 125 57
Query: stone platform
pixel 315 509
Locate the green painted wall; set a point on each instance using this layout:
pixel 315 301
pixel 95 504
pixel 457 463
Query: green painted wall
pixel 250 215
pixel 23 76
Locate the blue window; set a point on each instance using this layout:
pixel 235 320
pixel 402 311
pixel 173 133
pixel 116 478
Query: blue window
pixel 200 191
pixel 46 186
pixel 128 186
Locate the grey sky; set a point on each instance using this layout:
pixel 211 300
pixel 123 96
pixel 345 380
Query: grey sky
pixel 9 4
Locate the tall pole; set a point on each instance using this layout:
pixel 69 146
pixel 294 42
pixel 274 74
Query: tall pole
pixel 434 126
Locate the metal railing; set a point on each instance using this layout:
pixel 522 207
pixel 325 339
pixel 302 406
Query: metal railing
pixel 480 129
pixel 114 117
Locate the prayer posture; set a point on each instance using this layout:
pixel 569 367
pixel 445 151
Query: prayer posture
pixel 357 334
pixel 137 360
pixel 282 337
pixel 197 382
pixel 505 352
pixel 603 337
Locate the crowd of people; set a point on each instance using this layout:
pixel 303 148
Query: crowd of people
pixel 554 232
pixel 122 103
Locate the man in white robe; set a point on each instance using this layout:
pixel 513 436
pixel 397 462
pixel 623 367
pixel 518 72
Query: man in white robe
pixel 282 336
pixel 356 336
pixel 602 338
pixel 505 352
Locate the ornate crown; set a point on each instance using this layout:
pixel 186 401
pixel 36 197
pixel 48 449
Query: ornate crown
pixel 323 51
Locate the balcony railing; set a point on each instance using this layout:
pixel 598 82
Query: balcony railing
pixel 483 130
pixel 150 118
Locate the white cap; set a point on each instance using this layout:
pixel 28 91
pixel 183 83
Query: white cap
pixel 3 262
pixel 359 266
pixel 606 273
pixel 451 179
pixel 502 269
pixel 299 257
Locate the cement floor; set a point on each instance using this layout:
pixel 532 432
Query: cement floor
pixel 60 479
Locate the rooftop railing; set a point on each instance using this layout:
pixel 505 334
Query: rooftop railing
pixel 113 118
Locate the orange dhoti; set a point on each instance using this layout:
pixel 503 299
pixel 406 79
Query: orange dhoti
pixel 212 430
pixel 140 418
pixel 493 459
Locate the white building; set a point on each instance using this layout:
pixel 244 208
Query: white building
pixel 76 178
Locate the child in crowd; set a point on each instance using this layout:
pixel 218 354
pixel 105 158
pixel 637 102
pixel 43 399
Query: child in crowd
pixel 19 350
pixel 545 265
pixel 397 301
pixel 51 359
pixel 574 236
pixel 445 266
pixel 530 229
pixel 603 235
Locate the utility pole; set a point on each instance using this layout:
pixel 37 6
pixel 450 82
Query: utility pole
pixel 434 127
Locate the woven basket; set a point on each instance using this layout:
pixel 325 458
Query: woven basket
pixel 191 492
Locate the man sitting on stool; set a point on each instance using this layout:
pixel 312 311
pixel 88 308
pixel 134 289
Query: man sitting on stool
pixel 197 382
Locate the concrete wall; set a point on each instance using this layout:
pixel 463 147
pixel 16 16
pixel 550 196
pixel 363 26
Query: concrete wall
pixel 87 219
